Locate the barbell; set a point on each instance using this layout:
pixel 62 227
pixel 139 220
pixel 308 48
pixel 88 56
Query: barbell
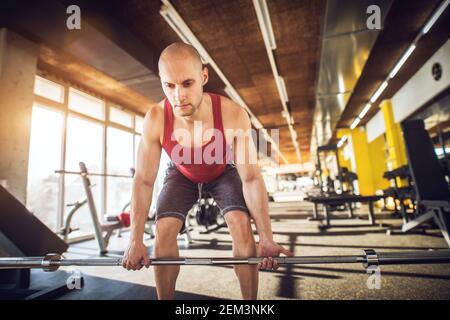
pixel 81 173
pixel 369 257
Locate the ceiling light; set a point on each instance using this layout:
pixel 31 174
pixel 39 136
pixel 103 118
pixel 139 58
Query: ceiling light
pixel 365 110
pixel 263 15
pixel 379 91
pixel 355 123
pixel 435 16
pixel 402 60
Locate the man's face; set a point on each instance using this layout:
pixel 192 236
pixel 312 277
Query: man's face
pixel 182 82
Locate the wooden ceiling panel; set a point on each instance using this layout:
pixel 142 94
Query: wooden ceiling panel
pixel 297 29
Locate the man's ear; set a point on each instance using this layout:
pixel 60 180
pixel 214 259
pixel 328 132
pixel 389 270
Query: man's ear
pixel 205 75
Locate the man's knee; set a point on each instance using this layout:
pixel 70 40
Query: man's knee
pixel 167 230
pixel 241 233
pixel 238 222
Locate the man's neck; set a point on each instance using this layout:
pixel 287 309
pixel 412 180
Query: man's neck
pixel 201 114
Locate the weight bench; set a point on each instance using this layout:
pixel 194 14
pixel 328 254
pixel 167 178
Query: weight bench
pixel 337 200
pixel 431 188
pixel 400 193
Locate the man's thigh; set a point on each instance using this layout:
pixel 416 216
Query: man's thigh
pixel 177 196
pixel 227 191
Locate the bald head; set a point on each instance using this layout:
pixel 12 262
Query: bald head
pixel 180 51
pixel 182 77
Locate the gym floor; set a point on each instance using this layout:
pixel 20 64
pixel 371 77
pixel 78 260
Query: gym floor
pixel 293 230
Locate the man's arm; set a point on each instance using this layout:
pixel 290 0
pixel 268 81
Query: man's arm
pixel 148 158
pixel 254 190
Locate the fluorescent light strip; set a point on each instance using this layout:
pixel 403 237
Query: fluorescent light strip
pixel 177 23
pixel 402 60
pixel 283 88
pixel 232 93
pixel 341 141
pixel 379 91
pixel 263 15
pixel 355 123
pixel 174 26
pixel 365 110
pixel 181 28
pixel 435 16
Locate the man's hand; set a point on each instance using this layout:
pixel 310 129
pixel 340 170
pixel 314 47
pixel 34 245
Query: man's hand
pixel 135 253
pixel 269 249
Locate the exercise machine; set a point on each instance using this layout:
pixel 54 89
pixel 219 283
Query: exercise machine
pixel 103 231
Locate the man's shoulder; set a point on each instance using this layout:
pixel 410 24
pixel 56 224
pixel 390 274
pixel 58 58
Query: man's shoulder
pixel 155 112
pixel 231 109
pixel 154 120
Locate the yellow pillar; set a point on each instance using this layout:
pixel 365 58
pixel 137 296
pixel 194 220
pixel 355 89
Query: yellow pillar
pixel 394 138
pixel 361 163
pixel 378 158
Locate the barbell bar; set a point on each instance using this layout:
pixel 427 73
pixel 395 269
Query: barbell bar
pixel 369 257
pixel 81 173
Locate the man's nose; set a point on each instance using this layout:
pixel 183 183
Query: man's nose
pixel 179 94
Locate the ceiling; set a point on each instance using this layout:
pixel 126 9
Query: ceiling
pixel 327 57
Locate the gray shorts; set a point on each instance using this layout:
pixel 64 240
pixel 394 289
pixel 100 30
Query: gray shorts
pixel 179 194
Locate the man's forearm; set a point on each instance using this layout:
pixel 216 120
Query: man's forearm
pixel 140 206
pixel 255 195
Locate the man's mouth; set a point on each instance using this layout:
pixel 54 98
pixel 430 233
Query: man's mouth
pixel 182 106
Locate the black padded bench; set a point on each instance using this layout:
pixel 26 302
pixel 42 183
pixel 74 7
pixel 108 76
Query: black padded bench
pixel 347 200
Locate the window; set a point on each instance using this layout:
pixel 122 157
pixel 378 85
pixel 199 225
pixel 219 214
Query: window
pixel 48 89
pixel 44 159
pixel 121 117
pixel 86 104
pixel 119 161
pixel 84 144
pixel 139 124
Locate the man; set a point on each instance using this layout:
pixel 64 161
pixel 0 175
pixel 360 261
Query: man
pixel 238 189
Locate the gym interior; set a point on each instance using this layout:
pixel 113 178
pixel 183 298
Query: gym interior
pixel 350 101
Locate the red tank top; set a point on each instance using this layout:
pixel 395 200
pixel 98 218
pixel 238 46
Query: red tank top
pixel 199 164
